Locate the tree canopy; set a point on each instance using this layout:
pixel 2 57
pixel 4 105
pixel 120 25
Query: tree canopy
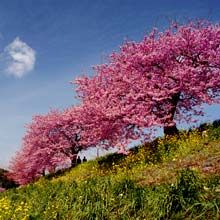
pixel 160 80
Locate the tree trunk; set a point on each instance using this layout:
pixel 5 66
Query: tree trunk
pixel 43 173
pixel 172 130
pixel 73 160
pixel 74 152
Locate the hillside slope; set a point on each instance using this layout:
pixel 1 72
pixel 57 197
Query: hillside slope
pixel 173 178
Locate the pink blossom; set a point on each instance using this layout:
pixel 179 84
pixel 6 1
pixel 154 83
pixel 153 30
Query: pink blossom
pixel 163 79
pixel 2 189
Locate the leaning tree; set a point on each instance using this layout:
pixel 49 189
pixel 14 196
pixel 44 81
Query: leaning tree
pixel 51 141
pixel 161 80
pixel 54 139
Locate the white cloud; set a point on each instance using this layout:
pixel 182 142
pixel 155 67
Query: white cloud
pixel 20 58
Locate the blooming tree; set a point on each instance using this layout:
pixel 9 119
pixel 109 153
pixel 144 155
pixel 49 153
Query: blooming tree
pixel 54 139
pixel 163 79
pixel 103 130
pixel 51 141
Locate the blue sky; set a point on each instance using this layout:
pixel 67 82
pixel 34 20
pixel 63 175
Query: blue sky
pixel 44 44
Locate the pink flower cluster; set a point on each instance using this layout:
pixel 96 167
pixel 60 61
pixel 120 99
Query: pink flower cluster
pixel 2 189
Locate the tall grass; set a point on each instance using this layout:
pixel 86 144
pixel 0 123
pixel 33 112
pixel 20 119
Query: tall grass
pixel 108 198
pixel 167 181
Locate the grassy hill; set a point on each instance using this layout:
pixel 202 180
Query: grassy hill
pixel 172 178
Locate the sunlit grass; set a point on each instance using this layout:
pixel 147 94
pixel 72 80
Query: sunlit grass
pixel 178 178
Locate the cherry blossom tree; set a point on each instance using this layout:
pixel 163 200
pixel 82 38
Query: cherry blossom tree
pixel 103 130
pixel 50 141
pixel 159 81
pixel 54 139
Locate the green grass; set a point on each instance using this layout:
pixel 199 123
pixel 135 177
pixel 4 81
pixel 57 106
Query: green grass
pixel 173 178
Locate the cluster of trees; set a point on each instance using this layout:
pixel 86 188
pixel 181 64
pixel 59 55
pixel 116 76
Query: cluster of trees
pixel 157 82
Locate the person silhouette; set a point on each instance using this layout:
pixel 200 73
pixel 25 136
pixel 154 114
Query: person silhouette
pixel 84 159
pixel 78 161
